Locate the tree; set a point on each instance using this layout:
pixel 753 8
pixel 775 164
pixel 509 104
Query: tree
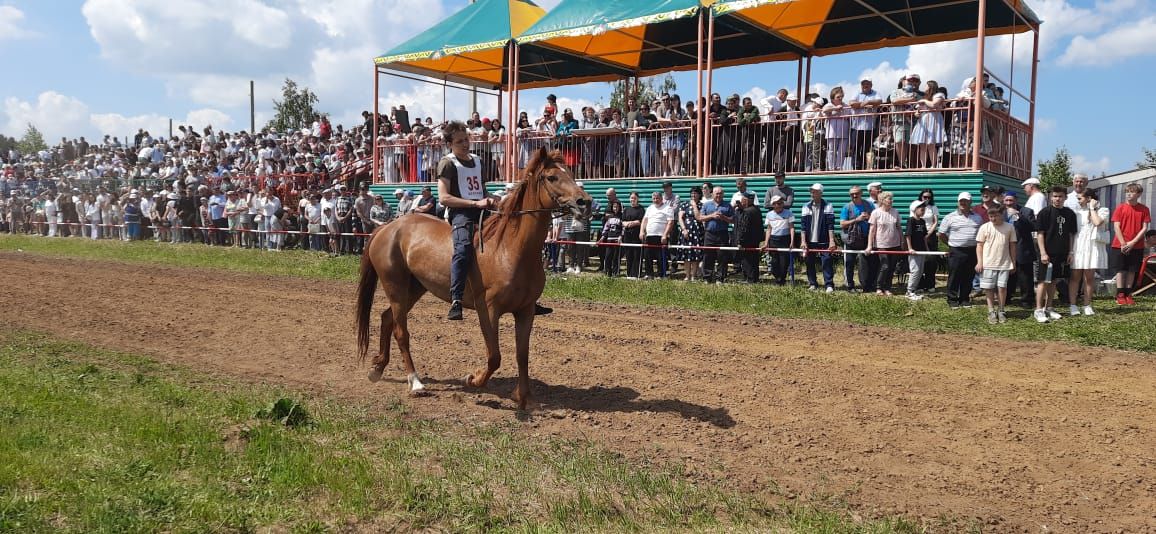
pixel 1057 170
pixel 1149 159
pixel 295 110
pixel 6 144
pixel 32 142
pixel 647 92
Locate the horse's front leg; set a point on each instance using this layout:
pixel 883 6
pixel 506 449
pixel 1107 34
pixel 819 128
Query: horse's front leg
pixel 523 324
pixel 488 319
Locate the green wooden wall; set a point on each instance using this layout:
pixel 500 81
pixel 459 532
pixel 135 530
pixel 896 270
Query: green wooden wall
pixel 905 186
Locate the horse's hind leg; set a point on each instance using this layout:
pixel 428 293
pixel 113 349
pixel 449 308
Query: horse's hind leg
pixel 382 358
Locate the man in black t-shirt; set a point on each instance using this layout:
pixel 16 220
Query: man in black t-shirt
pixel 1055 240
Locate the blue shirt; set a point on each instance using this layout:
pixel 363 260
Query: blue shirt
pixel 852 210
pixel 717 226
pixel 217 206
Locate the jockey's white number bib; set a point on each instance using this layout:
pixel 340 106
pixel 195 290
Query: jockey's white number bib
pixel 470 186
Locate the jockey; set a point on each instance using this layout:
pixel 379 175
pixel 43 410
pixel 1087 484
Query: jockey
pixel 463 193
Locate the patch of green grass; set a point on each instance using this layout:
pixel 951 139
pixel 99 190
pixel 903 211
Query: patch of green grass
pixel 287 263
pixel 96 441
pixel 1113 326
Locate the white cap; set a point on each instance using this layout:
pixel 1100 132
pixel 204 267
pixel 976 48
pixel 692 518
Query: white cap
pixel 964 196
pixel 579 184
pixel 399 191
pixel 1031 181
pixel 911 75
pixel 817 187
pixel 133 195
pixel 915 204
pixel 875 184
pixel 793 96
pixel 776 198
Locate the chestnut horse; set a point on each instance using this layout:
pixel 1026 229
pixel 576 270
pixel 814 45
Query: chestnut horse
pixel 411 256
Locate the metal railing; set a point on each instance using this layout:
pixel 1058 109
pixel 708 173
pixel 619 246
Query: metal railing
pixel 890 138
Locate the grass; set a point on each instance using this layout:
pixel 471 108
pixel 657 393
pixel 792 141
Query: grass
pixel 97 441
pixel 1113 326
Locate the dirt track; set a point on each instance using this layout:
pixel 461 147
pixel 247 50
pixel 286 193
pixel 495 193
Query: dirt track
pixel 1020 437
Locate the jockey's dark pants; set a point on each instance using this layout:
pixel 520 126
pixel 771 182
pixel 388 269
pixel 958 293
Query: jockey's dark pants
pixel 463 258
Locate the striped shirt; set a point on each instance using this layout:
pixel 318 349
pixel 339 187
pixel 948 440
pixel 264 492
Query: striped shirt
pixel 960 229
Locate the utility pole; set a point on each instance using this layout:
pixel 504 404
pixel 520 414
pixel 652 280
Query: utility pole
pixel 252 109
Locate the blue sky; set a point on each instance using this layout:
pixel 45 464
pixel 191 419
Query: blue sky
pixel 111 66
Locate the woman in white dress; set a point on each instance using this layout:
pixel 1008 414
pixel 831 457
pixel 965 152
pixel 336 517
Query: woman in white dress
pixel 1090 254
pixel 928 132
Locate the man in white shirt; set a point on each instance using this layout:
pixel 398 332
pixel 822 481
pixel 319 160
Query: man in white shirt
pixel 1079 185
pixel 864 107
pixel 656 226
pixel 1036 199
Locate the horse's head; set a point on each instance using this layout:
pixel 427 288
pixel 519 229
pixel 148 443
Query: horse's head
pixel 555 184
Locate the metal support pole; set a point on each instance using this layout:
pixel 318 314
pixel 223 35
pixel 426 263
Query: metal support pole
pixel 699 115
pixel 799 82
pixel 516 98
pixel 376 173
pixel 977 119
pixel 1032 104
pixel 707 129
pixel 807 83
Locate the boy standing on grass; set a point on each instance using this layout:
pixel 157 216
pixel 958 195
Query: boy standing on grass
pixel 996 251
pixel 1056 238
pixel 1130 222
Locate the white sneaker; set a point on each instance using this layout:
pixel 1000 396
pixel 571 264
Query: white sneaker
pixel 1053 315
pixel 1040 315
pixel 830 289
pixel 1073 310
pixel 914 296
pixel 1088 310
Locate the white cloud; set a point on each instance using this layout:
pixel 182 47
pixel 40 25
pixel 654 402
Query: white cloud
pixel 1090 167
pixel 12 24
pixel 54 114
pixel 1045 125
pixel 57 115
pixel 1136 38
pixel 425 100
pixel 324 45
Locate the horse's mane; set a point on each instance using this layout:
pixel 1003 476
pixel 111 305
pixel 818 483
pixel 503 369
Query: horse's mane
pixel 495 225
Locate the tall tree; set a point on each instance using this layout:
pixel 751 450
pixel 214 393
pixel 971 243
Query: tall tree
pixel 649 89
pixel 32 142
pixel 1057 170
pixel 295 110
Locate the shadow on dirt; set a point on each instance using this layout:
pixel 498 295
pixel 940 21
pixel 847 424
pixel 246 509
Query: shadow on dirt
pixel 600 399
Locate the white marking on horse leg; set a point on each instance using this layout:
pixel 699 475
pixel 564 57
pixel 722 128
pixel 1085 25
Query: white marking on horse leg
pixel 416 388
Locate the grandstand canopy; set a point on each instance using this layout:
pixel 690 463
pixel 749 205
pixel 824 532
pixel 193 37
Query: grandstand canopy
pixel 590 40
pixel 467 47
pixel 649 37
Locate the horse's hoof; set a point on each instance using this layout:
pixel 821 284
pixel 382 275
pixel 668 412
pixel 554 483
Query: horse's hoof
pixel 420 392
pixel 469 381
pixel 375 374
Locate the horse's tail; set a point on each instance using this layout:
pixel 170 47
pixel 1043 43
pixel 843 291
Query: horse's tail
pixel 365 289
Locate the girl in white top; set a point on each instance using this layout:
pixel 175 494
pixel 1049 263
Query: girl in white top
pixel 1090 253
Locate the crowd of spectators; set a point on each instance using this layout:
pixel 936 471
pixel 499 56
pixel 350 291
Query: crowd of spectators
pixel 214 187
pixel 997 247
pixel 918 125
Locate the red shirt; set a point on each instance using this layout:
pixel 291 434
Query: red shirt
pixel 1131 219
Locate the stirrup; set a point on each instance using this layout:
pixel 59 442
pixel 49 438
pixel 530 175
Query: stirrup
pixel 455 311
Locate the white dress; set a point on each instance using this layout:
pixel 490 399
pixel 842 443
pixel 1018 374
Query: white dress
pixel 1089 253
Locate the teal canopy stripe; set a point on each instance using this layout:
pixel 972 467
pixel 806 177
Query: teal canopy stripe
pixel 483 22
